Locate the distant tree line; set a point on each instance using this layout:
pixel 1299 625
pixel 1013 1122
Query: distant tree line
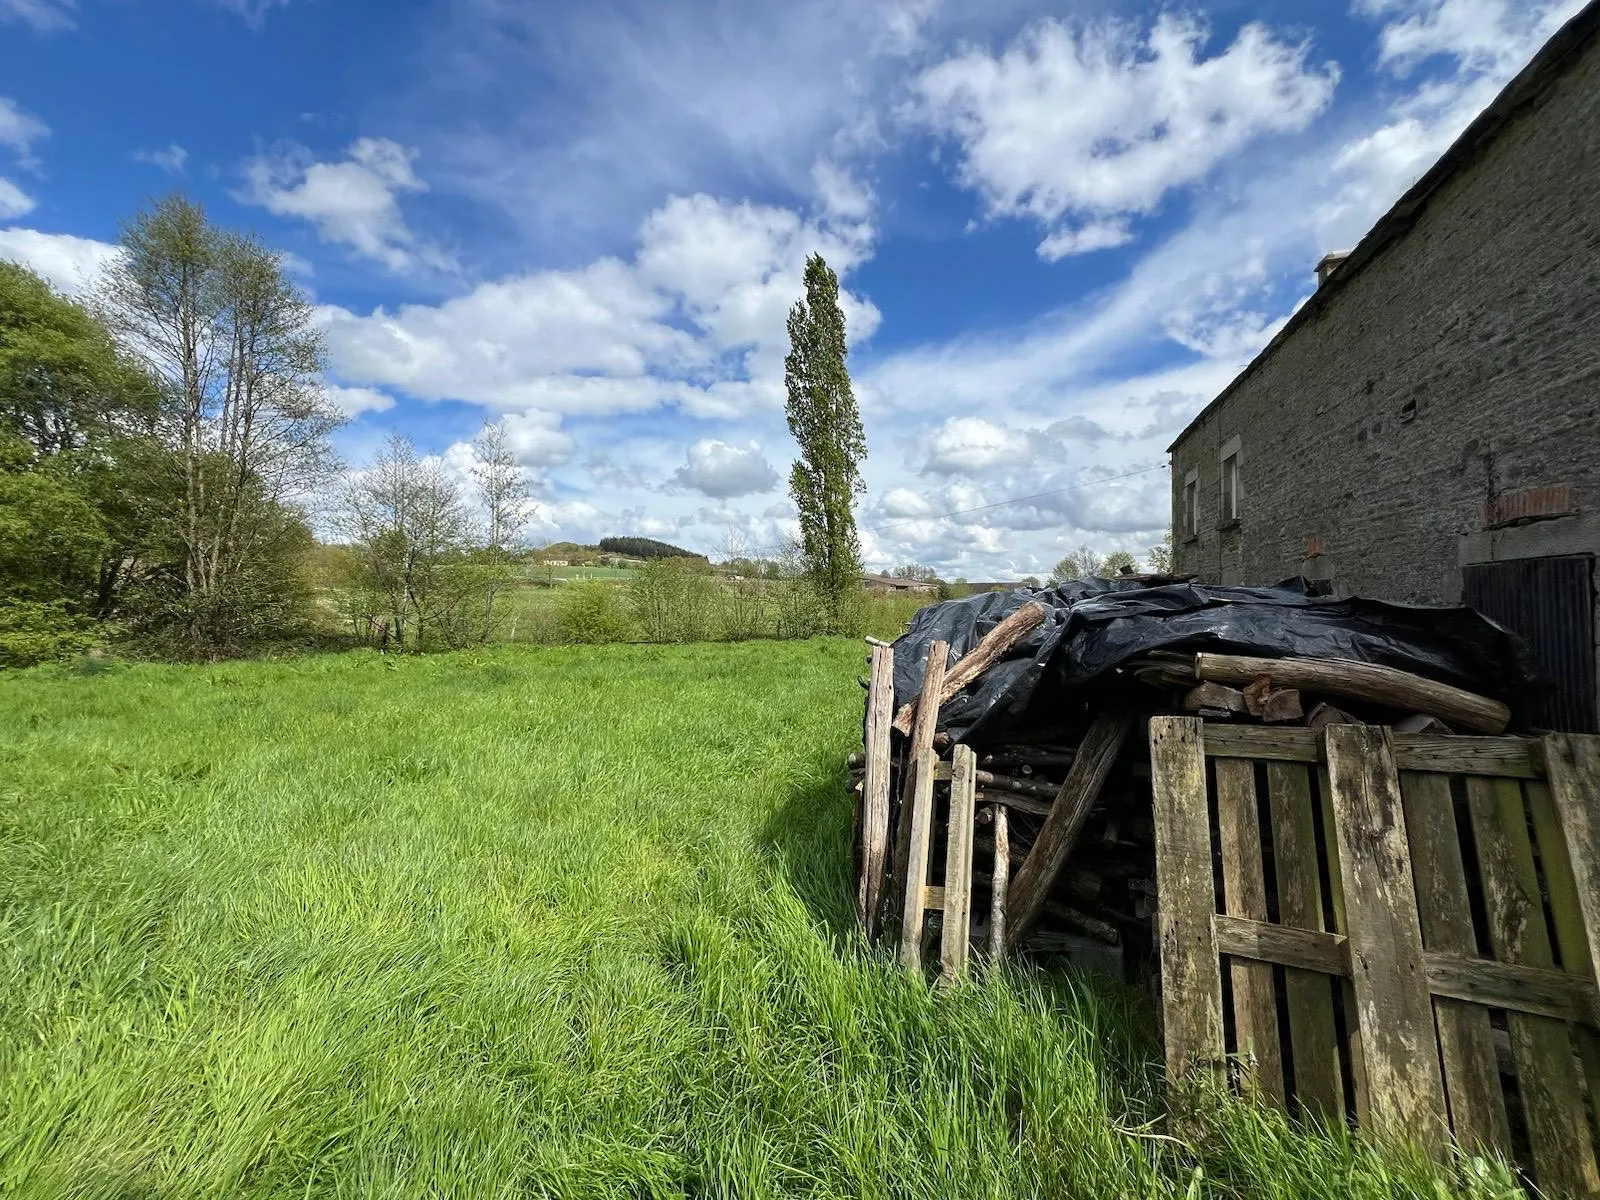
pixel 643 547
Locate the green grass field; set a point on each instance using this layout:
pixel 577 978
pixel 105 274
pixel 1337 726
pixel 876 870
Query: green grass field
pixel 525 922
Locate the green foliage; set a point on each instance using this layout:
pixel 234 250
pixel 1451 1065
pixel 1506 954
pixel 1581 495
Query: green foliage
pixel 921 572
pixel 36 631
pixel 570 922
pixel 826 424
pixel 674 600
pixel 643 547
pixel 592 612
pixel 1159 556
pixel 1084 563
pixel 954 589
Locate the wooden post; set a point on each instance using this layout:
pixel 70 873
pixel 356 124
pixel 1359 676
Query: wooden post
pixel 1191 978
pixel 1077 795
pixel 875 798
pixel 980 658
pixel 1255 1005
pixel 1394 1009
pixel 921 739
pixel 1572 765
pixel 1000 882
pixel 915 875
pixel 958 865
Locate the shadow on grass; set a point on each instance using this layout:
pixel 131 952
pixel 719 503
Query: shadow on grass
pixel 809 838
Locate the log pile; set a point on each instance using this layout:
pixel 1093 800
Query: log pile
pixel 1042 843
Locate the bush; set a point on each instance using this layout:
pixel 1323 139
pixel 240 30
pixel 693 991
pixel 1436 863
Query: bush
pixel 674 600
pixel 33 631
pixel 592 612
pixel 744 609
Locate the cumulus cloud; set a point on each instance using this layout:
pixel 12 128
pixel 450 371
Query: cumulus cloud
pixel 716 469
pixel 14 202
pixel 1095 235
pixel 971 445
pixel 354 202
pixel 170 160
pixel 44 16
pixel 1077 127
pixel 71 265
pixel 353 401
pixel 536 438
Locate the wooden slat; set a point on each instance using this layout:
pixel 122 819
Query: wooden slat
pixel 1255 1003
pixel 933 897
pixel 980 658
pixel 1507 756
pixel 1405 1090
pixel 1026 804
pixel 1080 790
pixel 1362 681
pixel 921 739
pixel 1566 913
pixel 957 932
pixel 915 873
pixel 1466 1048
pixel 1000 881
pixel 1345 987
pixel 1572 763
pixel 1312 1033
pixel 875 798
pixel 1191 978
pixel 1513 988
pixel 1558 1131
pixel 1302 949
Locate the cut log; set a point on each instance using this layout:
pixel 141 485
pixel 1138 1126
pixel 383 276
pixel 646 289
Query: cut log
pixel 982 656
pixel 1362 681
pixel 1009 783
pixel 1027 757
pixel 1281 707
pixel 1324 714
pixel 1061 828
pixel 1214 696
pixel 1000 882
pixel 875 801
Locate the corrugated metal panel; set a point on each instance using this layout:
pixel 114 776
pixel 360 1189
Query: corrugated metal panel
pixel 1550 602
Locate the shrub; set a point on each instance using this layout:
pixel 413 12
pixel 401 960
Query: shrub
pixel 34 631
pixel 674 600
pixel 592 612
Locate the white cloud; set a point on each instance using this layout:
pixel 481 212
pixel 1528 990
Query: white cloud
pixel 1096 235
pixel 69 264
pixel 44 16
pixel 14 202
pixel 354 202
pixel 966 445
pixel 171 160
pixel 19 129
pixel 1101 122
pixel 537 439
pixel 842 196
pixel 716 469
pixel 1482 35
pixel 353 401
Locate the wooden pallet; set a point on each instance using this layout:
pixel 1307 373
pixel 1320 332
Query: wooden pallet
pixel 1417 898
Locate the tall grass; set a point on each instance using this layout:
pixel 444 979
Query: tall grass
pixel 562 922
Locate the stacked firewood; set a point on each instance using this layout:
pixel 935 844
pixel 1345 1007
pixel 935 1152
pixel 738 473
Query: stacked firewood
pixel 1049 835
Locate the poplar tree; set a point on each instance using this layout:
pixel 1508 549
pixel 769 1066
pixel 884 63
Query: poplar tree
pixel 826 424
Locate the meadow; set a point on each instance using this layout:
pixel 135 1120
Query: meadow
pixel 529 922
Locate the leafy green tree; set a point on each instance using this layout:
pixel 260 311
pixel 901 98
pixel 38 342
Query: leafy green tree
pixel 674 600
pixel 1082 563
pixel 1159 556
pixel 826 423
pixel 1118 562
pixel 920 572
pixel 507 507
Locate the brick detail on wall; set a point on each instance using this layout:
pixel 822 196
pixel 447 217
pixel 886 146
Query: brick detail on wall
pixel 1530 504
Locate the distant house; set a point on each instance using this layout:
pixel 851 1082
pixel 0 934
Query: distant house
pixel 556 562
pixel 891 583
pixel 1426 426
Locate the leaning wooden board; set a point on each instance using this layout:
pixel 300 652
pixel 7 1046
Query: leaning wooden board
pixel 1410 834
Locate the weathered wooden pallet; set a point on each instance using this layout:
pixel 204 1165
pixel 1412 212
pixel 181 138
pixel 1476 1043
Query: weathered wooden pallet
pixel 1347 902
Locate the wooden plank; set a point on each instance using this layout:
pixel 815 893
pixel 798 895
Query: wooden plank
pixel 933 897
pixel 1405 1090
pixel 1572 764
pixel 1511 987
pixel 1027 804
pixel 1466 1048
pixel 1362 681
pixel 921 739
pixel 1078 793
pixel 1566 913
pixel 1255 1003
pixel 1191 978
pixel 875 798
pixel 1558 1131
pixel 915 873
pixel 980 658
pixel 1324 953
pixel 958 866
pixel 1345 987
pixel 1262 742
pixel 1312 1033
pixel 1000 881
pixel 1412 751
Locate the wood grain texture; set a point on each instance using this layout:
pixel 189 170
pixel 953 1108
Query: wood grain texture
pixel 1509 756
pixel 875 796
pixel 1466 1047
pixel 1191 977
pixel 915 874
pixel 1000 882
pixel 1511 987
pixel 921 739
pixel 957 933
pixel 1255 1002
pixel 1318 1083
pixel 1070 809
pixel 980 658
pixel 1324 953
pixel 1405 1089
pixel 1362 681
pixel 1558 1131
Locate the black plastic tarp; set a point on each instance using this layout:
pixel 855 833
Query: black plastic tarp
pixel 1095 626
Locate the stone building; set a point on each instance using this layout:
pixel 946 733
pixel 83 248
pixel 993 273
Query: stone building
pixel 1426 426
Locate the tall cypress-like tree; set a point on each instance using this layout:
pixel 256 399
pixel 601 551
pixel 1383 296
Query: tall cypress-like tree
pixel 826 424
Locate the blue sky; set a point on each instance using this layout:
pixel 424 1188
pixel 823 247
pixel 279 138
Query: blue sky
pixel 1061 227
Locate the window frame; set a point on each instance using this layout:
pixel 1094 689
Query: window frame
pixel 1191 503
pixel 1231 482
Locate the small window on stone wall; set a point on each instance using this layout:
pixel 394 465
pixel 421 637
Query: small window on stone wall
pixel 1191 504
pixel 1232 497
